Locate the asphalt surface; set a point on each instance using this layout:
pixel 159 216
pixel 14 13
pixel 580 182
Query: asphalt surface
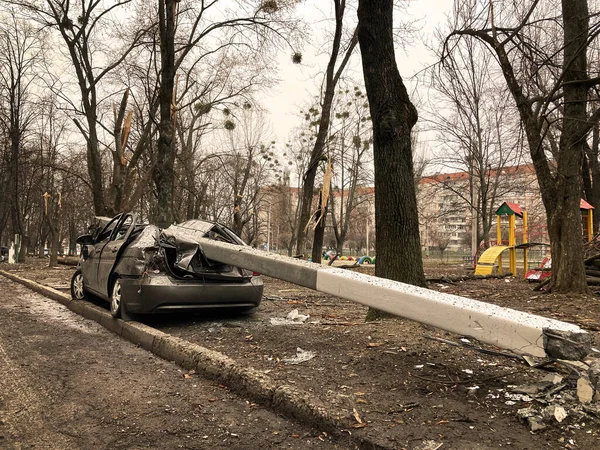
pixel 67 383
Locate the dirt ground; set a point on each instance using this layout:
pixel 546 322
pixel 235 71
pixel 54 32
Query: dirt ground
pixel 66 383
pixel 407 388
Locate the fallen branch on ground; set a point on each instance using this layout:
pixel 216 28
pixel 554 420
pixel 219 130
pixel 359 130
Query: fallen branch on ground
pixel 66 261
pixel 482 380
pixel 476 348
pixel 455 278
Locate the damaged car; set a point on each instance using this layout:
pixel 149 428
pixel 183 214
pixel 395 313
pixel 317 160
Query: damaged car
pixel 142 269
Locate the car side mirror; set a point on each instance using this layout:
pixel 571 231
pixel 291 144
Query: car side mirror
pixel 86 239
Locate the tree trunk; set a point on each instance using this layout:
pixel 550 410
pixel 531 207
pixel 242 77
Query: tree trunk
pixel 94 166
pixel 564 224
pixel 54 228
pixel 53 251
pixel 317 250
pixel 331 78
pixel 393 115
pixel 72 236
pixel 24 249
pixel 15 166
pixel 165 161
pixel 568 270
pixel 308 185
pixel 319 236
pixel 591 175
pixel 117 186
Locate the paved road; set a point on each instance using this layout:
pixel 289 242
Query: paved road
pixel 67 383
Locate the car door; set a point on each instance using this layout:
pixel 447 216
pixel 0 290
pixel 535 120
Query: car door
pixel 91 262
pixel 111 251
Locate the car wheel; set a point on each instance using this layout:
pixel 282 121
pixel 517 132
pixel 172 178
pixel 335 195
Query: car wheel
pixel 77 286
pixel 115 299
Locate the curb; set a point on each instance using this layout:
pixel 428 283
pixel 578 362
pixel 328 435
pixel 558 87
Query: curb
pixel 246 381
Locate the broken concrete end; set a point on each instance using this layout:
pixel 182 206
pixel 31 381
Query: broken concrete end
pixel 569 345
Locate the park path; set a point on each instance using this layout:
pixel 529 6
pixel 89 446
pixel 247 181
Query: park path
pixel 67 383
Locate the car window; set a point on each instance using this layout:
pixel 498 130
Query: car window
pixel 107 230
pixel 122 231
pixel 222 233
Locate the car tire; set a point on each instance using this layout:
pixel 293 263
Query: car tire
pixel 115 299
pixel 77 286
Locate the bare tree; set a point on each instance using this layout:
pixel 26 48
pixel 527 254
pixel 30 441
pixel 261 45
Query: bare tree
pixel 549 83
pixel 476 131
pixel 442 241
pixel 247 166
pixel 82 25
pixel 393 116
pixel 209 89
pixel 21 59
pixel 591 161
pixel 128 181
pixel 332 76
pixel 287 196
pixel 215 28
pixel 350 150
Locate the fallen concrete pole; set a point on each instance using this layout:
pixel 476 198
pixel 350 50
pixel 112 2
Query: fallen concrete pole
pixel 503 327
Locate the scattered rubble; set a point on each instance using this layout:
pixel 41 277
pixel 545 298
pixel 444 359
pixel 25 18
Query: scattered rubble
pixel 585 391
pixel 553 399
pixel 429 445
pixel 293 318
pixel 301 356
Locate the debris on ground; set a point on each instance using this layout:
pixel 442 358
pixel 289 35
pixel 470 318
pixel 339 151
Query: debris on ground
pixel 301 356
pixel 556 397
pixel 293 318
pixel 417 365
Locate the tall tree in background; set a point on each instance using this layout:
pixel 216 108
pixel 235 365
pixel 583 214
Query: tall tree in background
pixel 332 76
pixel 247 162
pixel 393 115
pixel 549 83
pixel 591 162
pixel 165 156
pixel 83 27
pixel 253 27
pixel 297 153
pixel 21 59
pixel 350 154
pixel 478 132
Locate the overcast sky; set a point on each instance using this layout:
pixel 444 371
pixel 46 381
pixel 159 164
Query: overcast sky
pixel 300 82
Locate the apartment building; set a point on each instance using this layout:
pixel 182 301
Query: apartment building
pixel 445 210
pixel 447 202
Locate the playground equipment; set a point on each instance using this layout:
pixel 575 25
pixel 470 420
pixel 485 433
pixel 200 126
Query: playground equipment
pixel 365 260
pixel 544 270
pixel 487 260
pixel 541 272
pixel 587 217
pixel 359 259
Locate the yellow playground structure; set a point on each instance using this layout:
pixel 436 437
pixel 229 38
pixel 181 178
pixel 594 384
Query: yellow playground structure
pixel 487 260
